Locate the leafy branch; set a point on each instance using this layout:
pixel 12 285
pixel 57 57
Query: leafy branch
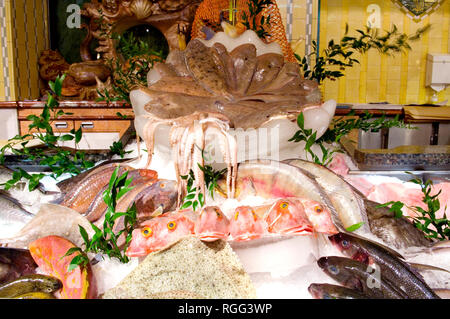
pixel 425 217
pixel 310 138
pixel 105 241
pixel 255 8
pixel 339 128
pixel 342 126
pixel 117 148
pixel 51 155
pixel 139 59
pixel 194 197
pixel 340 54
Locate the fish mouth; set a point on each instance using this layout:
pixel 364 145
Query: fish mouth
pixel 212 236
pixel 298 230
pixel 322 262
pixel 314 290
pixel 246 237
pixel 137 253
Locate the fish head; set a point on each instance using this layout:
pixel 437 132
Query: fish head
pixel 317 292
pixel 160 195
pixel 158 233
pixel 342 270
pixel 288 218
pixel 346 244
pixel 246 225
pixel 212 224
pixel 320 216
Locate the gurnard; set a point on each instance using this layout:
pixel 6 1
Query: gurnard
pixel 285 217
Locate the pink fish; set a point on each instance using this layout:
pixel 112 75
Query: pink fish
pixel 158 233
pixel 246 225
pixel 318 215
pixel 212 224
pixel 288 217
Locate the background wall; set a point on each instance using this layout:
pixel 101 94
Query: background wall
pixel 23 35
pixel 399 79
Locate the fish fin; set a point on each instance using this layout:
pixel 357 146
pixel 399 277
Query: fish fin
pixel 424 267
pixel 15 201
pixel 395 288
pixel 158 212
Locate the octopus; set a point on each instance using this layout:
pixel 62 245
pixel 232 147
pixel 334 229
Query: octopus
pixel 208 90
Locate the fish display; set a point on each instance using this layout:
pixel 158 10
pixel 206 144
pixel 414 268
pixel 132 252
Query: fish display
pixel 359 276
pixel 393 268
pixel 285 217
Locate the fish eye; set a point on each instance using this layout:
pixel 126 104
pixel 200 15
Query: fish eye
pixel 333 269
pixel 318 209
pixel 284 205
pixel 162 185
pixel 345 243
pixel 219 215
pixel 146 232
pixel 172 225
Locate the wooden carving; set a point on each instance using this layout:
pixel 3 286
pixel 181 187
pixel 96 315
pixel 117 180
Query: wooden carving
pixel 108 17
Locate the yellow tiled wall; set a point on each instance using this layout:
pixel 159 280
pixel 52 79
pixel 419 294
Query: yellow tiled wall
pixel 396 79
pixel 27 35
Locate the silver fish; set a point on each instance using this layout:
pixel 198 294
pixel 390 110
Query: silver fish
pixel 13 216
pixel 50 220
pixel 21 193
pixel 349 205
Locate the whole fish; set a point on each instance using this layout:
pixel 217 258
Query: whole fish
pixel 392 267
pixel 397 232
pixel 328 291
pixel 50 220
pixel 356 275
pixel 66 185
pixel 83 194
pixel 141 178
pixel 13 216
pixel 15 263
pixel 348 204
